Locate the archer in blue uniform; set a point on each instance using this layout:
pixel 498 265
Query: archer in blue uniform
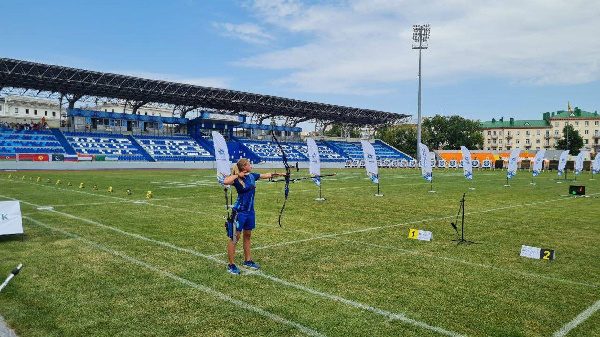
pixel 244 182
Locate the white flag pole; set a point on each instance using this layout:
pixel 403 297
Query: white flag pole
pixel 314 164
pixel 467 165
pixel 371 164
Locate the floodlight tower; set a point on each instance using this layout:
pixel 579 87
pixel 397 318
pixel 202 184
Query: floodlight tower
pixel 420 37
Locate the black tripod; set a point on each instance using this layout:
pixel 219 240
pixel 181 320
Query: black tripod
pixel 461 209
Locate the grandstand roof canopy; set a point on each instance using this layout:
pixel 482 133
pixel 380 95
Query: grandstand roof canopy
pixel 79 82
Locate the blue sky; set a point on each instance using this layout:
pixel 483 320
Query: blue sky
pixel 485 59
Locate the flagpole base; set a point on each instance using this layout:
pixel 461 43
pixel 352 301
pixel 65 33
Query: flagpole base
pixel 532 184
pixel 593 179
pixel 431 191
pixel 320 199
pixel 559 182
pixel 378 195
pixel 472 188
pixel 507 185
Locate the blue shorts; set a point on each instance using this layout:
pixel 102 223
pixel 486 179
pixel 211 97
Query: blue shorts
pixel 246 220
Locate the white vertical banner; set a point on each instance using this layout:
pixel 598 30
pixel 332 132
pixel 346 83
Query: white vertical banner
pixel 596 164
pixel 10 218
pixel 562 162
pixel 538 162
pixel 467 162
pixel 221 157
pixel 512 163
pixel 370 161
pixel 579 163
pixel 315 161
pixel 425 162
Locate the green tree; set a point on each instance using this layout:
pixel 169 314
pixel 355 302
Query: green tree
pixel 336 131
pixel 450 133
pixel 575 141
pixel 402 137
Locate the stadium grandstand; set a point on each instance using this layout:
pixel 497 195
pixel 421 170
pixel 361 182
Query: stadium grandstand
pixel 88 116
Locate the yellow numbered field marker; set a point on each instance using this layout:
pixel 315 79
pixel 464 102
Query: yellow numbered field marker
pixel 81 185
pixel 413 233
pixel 110 189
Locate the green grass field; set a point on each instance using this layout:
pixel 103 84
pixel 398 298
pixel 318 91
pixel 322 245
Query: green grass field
pixel 100 264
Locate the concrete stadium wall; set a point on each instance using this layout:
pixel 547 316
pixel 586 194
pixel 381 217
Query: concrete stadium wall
pixel 123 165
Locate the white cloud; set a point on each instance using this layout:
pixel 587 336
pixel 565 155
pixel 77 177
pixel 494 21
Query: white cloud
pixel 362 45
pixel 248 32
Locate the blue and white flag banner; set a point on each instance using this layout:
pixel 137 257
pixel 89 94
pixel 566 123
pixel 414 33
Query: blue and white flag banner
pixel 538 162
pixel 425 161
pixel 579 163
pixel 370 161
pixel 596 164
pixel 512 163
pixel 467 165
pixel 315 161
pixel 221 157
pixel 562 162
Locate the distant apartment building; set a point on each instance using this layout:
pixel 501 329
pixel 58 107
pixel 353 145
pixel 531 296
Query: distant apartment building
pixel 21 109
pixel 502 135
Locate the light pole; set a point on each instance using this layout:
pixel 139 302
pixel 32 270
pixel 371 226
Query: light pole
pixel 420 37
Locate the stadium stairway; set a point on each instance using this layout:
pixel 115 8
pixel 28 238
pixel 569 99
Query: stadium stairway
pixel 393 149
pixel 60 137
pixel 205 144
pixel 243 151
pixel 336 149
pixel 137 145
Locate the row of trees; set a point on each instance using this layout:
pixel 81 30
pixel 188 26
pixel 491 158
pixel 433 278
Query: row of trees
pixel 438 132
pixel 447 133
pixel 450 133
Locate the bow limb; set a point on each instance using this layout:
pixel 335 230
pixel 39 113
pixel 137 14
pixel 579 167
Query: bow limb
pixel 287 174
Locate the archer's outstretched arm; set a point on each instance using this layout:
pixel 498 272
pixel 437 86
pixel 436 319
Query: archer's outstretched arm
pixel 272 175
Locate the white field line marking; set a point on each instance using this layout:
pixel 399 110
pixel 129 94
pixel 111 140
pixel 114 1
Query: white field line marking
pixel 197 286
pixel 118 202
pixel 518 272
pixel 577 320
pixel 328 236
pixel 389 315
pixel 368 229
pixel 124 199
pixel 90 204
